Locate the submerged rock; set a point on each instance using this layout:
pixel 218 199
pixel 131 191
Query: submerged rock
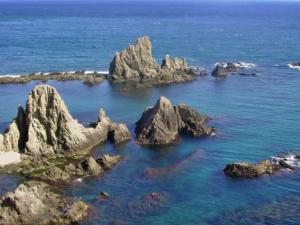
pixel 283 211
pixel 154 203
pixel 137 64
pixel 162 123
pixel 47 128
pixel 35 203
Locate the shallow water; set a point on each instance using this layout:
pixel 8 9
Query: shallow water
pixel 255 117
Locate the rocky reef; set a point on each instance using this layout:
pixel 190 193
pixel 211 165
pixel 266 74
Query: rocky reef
pixel 222 70
pixel 47 128
pixel 88 78
pixel 67 170
pixel 162 123
pixel 136 64
pixel 35 203
pixel 266 167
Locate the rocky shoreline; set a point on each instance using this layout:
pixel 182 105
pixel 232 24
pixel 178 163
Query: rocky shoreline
pixel 88 78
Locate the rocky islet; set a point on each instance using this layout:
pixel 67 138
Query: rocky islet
pixel 162 123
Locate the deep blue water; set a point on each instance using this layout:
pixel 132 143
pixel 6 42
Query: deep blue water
pixel 255 117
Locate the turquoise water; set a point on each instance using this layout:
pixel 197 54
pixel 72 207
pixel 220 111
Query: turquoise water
pixel 255 117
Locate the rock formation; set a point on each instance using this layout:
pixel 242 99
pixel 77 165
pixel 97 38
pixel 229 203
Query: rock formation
pixel 46 127
pixel 223 69
pixel 266 167
pixel 162 123
pixel 35 203
pixel 248 169
pixel 66 171
pixel 119 133
pixel 88 78
pixel 137 64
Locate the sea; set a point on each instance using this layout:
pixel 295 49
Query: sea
pixel 256 117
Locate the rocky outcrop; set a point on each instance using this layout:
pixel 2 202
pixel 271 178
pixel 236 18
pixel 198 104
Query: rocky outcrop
pixel 137 64
pixel 223 69
pixel 35 203
pixel 46 127
pixel 162 123
pixel 88 78
pixel 66 170
pixel 248 169
pixel 266 167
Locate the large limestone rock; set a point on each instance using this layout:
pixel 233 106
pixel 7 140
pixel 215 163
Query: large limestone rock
pixel 35 203
pixel 136 63
pixel 162 123
pixel 52 129
pixel 46 127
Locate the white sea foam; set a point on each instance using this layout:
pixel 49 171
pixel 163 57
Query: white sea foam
pixel 293 67
pixel 105 72
pixel 239 64
pixel 290 159
pixel 245 65
pixel 10 75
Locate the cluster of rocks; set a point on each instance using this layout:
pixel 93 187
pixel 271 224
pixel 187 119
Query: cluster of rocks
pixel 66 170
pixel 47 128
pixel 88 78
pixel 55 149
pixel 266 167
pixel 162 123
pixel 35 203
pixel 136 64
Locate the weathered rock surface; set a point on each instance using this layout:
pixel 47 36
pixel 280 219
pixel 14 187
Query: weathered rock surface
pixel 137 64
pixel 248 169
pixel 108 161
pixel 14 137
pixel 223 69
pixel 87 78
pixel 266 167
pixel 47 128
pixel 35 203
pixel 67 170
pixel 119 133
pixel 162 123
